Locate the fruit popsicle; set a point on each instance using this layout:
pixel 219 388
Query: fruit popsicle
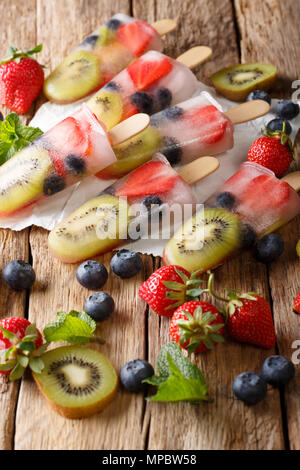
pixel 252 203
pixel 99 57
pixel 120 213
pixel 151 83
pixel 182 133
pixel 75 148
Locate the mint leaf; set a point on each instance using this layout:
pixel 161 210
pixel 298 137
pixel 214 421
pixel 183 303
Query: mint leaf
pixel 14 136
pixel 74 327
pixel 179 379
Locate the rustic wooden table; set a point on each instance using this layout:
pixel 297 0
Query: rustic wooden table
pixel 260 30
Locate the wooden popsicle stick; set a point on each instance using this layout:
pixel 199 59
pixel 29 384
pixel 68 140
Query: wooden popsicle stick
pixel 248 111
pixel 293 179
pixel 164 26
pixel 199 169
pixel 129 128
pixel 195 56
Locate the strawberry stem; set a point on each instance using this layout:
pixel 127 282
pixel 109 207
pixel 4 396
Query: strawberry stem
pixel 211 290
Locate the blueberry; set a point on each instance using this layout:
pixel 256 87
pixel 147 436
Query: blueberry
pixel 109 190
pixel 151 201
pixel 142 101
pixel 75 164
pixel 92 275
pixel 133 374
pixel 53 184
pixel 90 40
pixel 112 86
pixel 1 117
pixel 172 150
pixel 113 24
pixel 287 109
pixel 225 200
pixel 259 95
pixel 19 275
pixel 126 263
pixel 249 387
pixel 99 306
pixel 162 98
pixel 249 236
pixel 277 370
pixel 276 125
pixel 269 248
pixel 173 113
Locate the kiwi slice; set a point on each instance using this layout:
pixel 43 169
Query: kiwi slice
pixel 94 228
pixel 77 381
pixel 108 107
pixel 133 153
pixel 237 81
pixel 106 36
pixel 22 178
pixel 205 240
pixel 77 76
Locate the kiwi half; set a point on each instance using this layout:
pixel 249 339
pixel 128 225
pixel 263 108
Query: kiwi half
pixel 205 241
pixel 77 381
pixel 22 178
pixel 133 153
pixel 83 233
pixel 237 81
pixel 77 76
pixel 108 107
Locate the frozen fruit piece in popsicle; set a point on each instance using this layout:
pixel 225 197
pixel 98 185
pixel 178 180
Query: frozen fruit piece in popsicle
pixel 144 72
pixel 136 36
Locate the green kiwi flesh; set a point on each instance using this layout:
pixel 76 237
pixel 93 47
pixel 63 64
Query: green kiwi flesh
pixel 77 76
pixel 22 178
pixel 77 381
pixel 237 81
pixel 94 228
pixel 133 153
pixel 108 108
pixel 205 240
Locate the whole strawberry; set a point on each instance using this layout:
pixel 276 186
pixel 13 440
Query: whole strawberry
pixel 168 288
pixel 21 79
pixel 197 326
pixel 21 344
pixel 273 151
pixel 297 303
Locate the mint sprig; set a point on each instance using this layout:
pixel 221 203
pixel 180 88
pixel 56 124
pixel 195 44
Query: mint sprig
pixel 73 327
pixel 178 378
pixel 14 136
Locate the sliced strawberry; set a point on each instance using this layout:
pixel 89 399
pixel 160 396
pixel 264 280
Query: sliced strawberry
pixel 150 179
pixel 136 36
pixel 145 72
pixel 264 192
pixel 58 162
pixel 210 121
pixel 71 136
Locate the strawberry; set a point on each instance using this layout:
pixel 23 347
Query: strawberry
pixel 262 186
pixel 210 121
pixel 249 317
pixel 21 79
pixel 144 72
pixel 297 303
pixel 273 151
pixel 75 135
pixel 168 288
pixel 136 36
pixel 197 326
pixel 21 344
pixel 151 178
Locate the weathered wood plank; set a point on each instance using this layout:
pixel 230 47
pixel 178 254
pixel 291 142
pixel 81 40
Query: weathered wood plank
pixel 217 425
pixel 13 245
pixel 120 425
pixel 267 27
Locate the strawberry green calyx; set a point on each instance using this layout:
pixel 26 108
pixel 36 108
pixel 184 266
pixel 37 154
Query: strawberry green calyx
pixel 17 55
pixel 22 353
pixel 181 293
pixel 198 329
pixel 284 138
pixel 234 299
